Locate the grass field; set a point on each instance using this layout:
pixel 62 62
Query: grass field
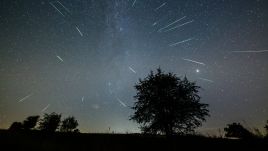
pixel 36 140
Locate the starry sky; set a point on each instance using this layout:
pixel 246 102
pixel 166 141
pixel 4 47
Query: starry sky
pixel 83 57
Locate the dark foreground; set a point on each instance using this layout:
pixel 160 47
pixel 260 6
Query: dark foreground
pixel 35 140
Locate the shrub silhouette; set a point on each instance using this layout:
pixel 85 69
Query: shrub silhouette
pixel 15 126
pixel 50 122
pixel 266 128
pixel 69 124
pixel 237 130
pixel 30 122
pixel 167 104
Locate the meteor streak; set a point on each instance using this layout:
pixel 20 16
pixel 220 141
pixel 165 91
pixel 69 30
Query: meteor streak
pixel 171 24
pixel 194 61
pixel 251 51
pixel 206 80
pixel 179 26
pixel 160 6
pixel 64 7
pixel 180 42
pixel 82 99
pixel 132 70
pixel 133 4
pixel 122 103
pixel 57 9
pixel 26 97
pixel 45 108
pixel 79 31
pixel 60 58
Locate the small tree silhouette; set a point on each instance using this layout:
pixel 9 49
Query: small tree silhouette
pixel 167 104
pixel 15 126
pixel 266 128
pixel 237 130
pixel 50 122
pixel 69 124
pixel 30 122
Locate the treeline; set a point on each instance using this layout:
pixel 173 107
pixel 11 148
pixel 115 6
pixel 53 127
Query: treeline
pixel 52 122
pixel 48 123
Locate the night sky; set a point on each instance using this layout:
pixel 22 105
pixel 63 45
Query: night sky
pixel 83 58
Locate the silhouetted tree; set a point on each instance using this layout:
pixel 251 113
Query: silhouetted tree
pixel 30 122
pixel 50 122
pixel 167 104
pixel 69 124
pixel 15 126
pixel 237 130
pixel 266 128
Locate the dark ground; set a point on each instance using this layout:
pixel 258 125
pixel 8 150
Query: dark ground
pixel 38 141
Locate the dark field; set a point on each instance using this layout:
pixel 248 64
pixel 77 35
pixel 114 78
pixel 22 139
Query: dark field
pixel 35 140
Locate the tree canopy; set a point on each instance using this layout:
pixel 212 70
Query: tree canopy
pixel 30 122
pixel 266 128
pixel 15 126
pixel 237 130
pixel 50 122
pixel 69 124
pixel 167 104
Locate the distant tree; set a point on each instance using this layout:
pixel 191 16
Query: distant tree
pixel 266 128
pixel 50 122
pixel 30 122
pixel 168 105
pixel 69 124
pixel 237 130
pixel 15 126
